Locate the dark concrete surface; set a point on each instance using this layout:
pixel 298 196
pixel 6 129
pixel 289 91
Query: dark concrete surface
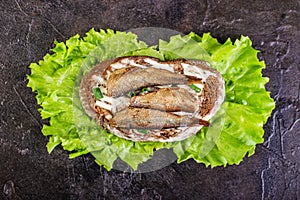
pixel 28 29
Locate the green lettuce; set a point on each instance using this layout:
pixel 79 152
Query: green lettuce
pixel 237 127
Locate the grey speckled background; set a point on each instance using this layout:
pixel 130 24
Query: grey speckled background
pixel 28 29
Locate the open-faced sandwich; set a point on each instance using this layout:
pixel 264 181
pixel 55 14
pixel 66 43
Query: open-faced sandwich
pixel 143 99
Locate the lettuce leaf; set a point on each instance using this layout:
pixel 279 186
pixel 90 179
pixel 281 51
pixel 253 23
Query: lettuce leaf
pixel 246 108
pixel 237 127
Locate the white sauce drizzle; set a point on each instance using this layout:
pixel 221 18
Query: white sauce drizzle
pixel 192 70
pixel 119 104
pixel 107 99
pixel 99 79
pixel 157 65
pixel 103 105
pixel 182 113
pixel 136 65
pixel 125 62
pixel 117 65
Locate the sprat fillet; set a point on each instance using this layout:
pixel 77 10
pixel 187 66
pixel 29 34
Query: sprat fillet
pixel 166 99
pixel 122 81
pixel 141 118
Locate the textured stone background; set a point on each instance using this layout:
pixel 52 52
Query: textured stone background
pixel 28 29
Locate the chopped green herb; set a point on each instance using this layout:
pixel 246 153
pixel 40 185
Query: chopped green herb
pixel 131 94
pixel 97 93
pixel 194 87
pixel 144 90
pixel 143 131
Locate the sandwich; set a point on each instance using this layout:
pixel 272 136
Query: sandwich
pixel 144 99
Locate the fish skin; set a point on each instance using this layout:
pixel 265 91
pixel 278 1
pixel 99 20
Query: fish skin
pixel 141 118
pixel 166 99
pixel 122 82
